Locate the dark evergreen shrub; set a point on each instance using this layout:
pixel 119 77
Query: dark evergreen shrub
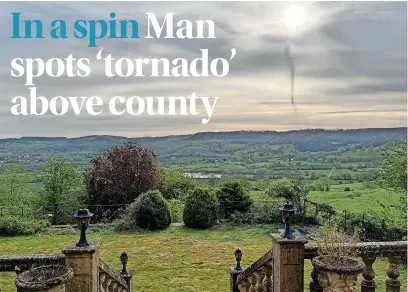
pixel 149 211
pixel 201 209
pixel 233 197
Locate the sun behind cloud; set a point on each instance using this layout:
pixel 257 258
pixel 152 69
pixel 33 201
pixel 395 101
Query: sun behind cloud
pixel 294 16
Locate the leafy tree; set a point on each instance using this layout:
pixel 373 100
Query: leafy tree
pixel 301 195
pixel 177 185
pixel 233 197
pixel 13 183
pixel 245 184
pixel 393 171
pixel 282 188
pixel 201 209
pixel 314 176
pixel 63 191
pixel 393 174
pixel 176 208
pixel 323 184
pixel 346 176
pixel 294 191
pixel 121 174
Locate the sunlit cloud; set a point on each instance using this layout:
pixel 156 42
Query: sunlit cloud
pixel 350 67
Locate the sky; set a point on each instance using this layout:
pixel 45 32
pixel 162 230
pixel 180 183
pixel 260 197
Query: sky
pixel 350 60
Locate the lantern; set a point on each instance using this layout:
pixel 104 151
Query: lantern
pixel 288 210
pixel 82 217
pixel 124 259
pixel 238 256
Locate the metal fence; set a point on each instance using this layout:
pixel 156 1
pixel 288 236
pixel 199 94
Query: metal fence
pixel 372 226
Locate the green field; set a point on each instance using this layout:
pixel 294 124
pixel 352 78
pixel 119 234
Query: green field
pixel 178 259
pixel 360 199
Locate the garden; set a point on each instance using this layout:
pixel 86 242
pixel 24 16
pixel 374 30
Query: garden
pixel 181 233
pixel 176 259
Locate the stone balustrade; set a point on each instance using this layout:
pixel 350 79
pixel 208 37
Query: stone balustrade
pixel 258 277
pixel 111 281
pixel 280 270
pixel 22 263
pixel 90 273
pixel 394 251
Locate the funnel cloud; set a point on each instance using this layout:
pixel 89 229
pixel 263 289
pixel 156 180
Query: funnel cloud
pixel 292 70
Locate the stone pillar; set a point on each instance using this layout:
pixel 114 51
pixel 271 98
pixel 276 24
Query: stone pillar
pixel 234 275
pixel 288 264
pixel 85 263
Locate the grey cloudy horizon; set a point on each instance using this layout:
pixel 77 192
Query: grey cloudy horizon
pixel 351 68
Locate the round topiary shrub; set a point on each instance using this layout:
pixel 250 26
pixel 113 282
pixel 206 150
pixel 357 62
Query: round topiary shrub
pixel 149 211
pixel 201 209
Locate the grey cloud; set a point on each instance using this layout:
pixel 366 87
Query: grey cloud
pixel 360 88
pixel 363 111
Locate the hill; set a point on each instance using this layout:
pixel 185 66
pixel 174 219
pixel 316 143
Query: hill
pixel 249 154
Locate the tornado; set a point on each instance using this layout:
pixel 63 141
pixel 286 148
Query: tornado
pixel 291 65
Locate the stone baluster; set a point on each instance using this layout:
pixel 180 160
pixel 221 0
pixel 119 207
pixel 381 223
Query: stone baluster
pixel 260 275
pixel 102 277
pixel 112 286
pixel 252 282
pixel 244 286
pixel 106 283
pixel 368 283
pixel 392 283
pixel 117 288
pixel 267 284
pixel 314 285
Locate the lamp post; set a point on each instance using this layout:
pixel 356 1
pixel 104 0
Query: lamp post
pixel 287 212
pixel 238 256
pixel 83 216
pixel 124 259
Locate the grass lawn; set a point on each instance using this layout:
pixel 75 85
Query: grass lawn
pixel 178 259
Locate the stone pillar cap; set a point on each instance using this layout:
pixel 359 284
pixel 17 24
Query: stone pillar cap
pixel 278 239
pixel 72 249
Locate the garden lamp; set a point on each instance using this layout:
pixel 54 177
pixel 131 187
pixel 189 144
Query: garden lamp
pixel 82 217
pixel 288 210
pixel 124 259
pixel 238 256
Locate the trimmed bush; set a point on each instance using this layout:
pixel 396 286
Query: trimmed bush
pixel 201 209
pixel 13 226
pixel 149 211
pixel 233 197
